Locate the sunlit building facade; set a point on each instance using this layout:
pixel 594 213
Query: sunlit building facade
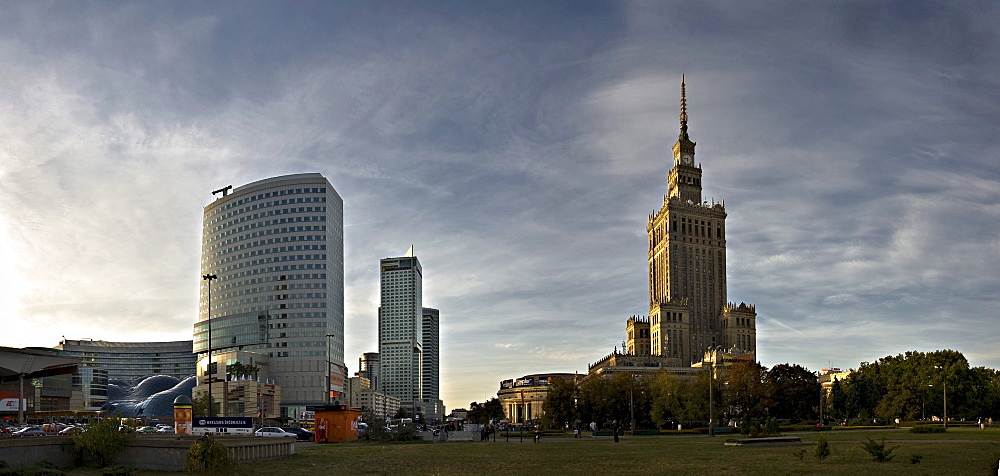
pixel 277 249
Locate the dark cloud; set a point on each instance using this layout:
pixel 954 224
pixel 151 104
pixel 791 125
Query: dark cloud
pixel 520 149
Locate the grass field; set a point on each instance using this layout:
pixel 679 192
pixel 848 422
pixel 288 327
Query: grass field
pixel 964 451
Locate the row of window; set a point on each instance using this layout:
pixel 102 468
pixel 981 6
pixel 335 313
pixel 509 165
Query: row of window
pixel 274 231
pixel 259 216
pixel 263 224
pixel 276 203
pixel 266 195
pixel 270 242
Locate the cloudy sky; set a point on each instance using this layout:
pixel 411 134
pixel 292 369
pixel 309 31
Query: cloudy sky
pixel 519 146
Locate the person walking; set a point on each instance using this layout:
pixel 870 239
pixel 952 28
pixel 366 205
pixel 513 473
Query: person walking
pixel 576 428
pixel 593 429
pixel 616 428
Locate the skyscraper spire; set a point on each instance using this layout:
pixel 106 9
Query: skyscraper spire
pixel 684 115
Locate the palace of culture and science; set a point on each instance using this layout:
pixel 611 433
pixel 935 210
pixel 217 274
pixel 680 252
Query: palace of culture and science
pixel 688 310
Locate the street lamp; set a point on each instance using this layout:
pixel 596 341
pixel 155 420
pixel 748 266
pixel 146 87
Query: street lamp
pixel 714 353
pixel 944 384
pixel 210 278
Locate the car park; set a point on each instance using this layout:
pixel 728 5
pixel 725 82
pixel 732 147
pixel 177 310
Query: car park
pixel 273 431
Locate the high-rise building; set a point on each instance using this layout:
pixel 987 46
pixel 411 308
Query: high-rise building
pixel 369 367
pixel 688 311
pixel 276 247
pixel 430 373
pixel 400 327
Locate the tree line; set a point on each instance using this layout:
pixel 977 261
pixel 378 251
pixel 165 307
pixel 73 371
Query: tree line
pixel 908 386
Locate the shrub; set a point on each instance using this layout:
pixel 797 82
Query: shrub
pixel 928 429
pixel 878 450
pixel 822 449
pixel 915 458
pixel 208 455
pixel 102 440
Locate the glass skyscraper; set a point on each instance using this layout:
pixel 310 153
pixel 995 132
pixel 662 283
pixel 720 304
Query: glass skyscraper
pixel 277 249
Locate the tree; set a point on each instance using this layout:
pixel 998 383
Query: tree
pixel 796 392
pixel 747 391
pixel 200 405
pixel 238 369
pixel 102 440
pixel 560 402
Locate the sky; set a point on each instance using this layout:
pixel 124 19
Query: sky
pixel 519 147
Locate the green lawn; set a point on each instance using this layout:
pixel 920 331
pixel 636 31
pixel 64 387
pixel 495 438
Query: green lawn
pixel 964 451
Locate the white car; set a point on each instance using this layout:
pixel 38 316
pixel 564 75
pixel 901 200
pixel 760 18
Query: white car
pixel 273 431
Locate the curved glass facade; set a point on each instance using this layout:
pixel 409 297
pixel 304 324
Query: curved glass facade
pixel 277 247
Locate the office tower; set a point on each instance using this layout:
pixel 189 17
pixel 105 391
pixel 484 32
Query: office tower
pixel 276 247
pixel 369 365
pixel 688 312
pixel 430 371
pixel 400 329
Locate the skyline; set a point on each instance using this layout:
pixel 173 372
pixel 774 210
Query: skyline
pixel 520 151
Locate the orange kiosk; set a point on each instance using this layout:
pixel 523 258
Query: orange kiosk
pixel 335 423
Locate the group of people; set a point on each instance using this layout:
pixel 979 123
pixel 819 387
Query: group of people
pixel 616 429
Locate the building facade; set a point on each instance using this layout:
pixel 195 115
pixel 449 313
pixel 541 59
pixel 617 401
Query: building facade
pixel 276 249
pixel 523 398
pixel 369 367
pixel 688 310
pixel 131 360
pixel 432 407
pixel 400 326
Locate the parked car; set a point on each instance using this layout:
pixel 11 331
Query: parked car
pixel 165 429
pixel 273 431
pixel 29 431
pixel 146 429
pixel 300 434
pixel 71 430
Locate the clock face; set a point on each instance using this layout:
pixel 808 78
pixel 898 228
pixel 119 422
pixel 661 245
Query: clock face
pixel 686 158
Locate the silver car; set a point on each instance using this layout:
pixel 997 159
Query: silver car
pixel 273 431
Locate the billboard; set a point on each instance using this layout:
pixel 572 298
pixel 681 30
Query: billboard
pixel 223 425
pixel 507 383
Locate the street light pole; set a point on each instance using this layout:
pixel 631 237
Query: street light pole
pixel 210 278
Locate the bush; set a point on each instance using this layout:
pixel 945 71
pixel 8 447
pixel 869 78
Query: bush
pixel 44 468
pixel 117 470
pixel 928 429
pixel 822 449
pixel 915 458
pixel 208 455
pixel 102 440
pixel 878 450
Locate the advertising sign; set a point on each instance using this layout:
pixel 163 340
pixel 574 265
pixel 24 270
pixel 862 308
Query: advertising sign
pixel 10 405
pixel 525 382
pixel 507 383
pixel 223 425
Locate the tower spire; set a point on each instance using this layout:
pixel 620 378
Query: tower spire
pixel 684 115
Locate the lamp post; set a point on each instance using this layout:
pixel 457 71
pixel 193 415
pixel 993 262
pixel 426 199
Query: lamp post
pixel 329 366
pixel 713 352
pixel 211 405
pixel 944 385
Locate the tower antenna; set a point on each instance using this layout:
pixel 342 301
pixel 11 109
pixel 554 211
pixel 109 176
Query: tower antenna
pixel 684 113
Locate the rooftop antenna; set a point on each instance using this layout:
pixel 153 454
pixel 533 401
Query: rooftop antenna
pixel 224 190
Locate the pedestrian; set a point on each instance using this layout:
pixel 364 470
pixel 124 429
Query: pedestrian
pixel 593 429
pixel 576 428
pixel 616 428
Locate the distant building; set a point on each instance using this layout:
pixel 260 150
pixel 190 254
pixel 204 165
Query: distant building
pixel 431 405
pixel 400 319
pixel 523 398
pixel 131 360
pixel 369 367
pixel 361 395
pixel 688 309
pixel 277 248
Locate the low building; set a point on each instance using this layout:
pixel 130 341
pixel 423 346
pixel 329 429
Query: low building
pixel 131 360
pixel 240 385
pixel 523 398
